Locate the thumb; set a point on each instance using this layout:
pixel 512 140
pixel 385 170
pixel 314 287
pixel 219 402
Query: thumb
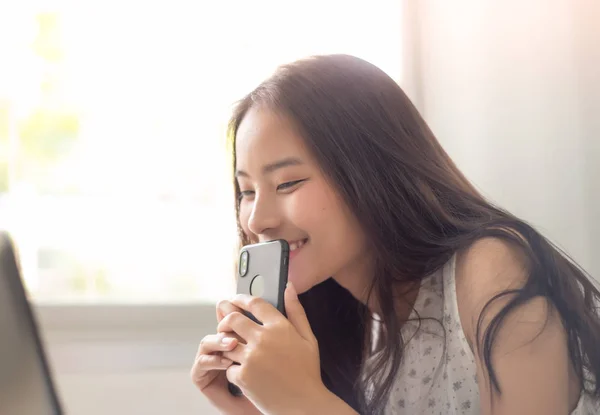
pixel 295 312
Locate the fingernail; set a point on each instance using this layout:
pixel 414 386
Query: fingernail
pixel 226 361
pixel 226 341
pixel 292 289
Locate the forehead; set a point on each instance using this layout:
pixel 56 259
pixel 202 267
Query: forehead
pixel 265 136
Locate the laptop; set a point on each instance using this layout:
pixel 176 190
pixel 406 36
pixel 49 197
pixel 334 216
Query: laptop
pixel 26 386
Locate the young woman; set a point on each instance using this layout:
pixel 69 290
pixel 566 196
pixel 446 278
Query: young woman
pixel 416 295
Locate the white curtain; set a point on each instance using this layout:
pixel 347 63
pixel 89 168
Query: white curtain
pixel 512 90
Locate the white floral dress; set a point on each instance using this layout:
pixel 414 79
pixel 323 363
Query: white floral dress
pixel 438 373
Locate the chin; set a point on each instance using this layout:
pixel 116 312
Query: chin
pixel 300 284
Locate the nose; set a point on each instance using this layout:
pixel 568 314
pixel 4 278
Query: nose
pixel 264 216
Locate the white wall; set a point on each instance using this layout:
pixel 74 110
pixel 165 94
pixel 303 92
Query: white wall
pixel 146 392
pixel 512 90
pixel 126 360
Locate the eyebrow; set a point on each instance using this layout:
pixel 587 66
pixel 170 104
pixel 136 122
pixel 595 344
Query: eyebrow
pixel 271 167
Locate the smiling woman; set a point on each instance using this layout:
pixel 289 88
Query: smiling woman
pixel 276 175
pixel 410 291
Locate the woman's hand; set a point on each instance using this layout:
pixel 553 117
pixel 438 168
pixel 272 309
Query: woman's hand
pixel 278 370
pixel 208 371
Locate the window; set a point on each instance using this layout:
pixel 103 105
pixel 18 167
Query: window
pixel 114 177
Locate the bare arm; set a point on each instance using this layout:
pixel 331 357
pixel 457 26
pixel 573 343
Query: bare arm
pixel 529 356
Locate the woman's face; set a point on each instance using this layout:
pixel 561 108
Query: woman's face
pixel 284 195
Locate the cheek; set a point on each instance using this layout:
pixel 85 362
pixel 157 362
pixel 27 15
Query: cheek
pixel 326 218
pixel 308 209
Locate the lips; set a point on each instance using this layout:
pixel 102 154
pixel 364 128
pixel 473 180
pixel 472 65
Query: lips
pixel 296 246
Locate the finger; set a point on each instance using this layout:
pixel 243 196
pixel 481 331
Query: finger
pixel 216 343
pixel 233 375
pixel 226 403
pixel 225 307
pixel 206 362
pixel 296 314
pixel 240 324
pixel 237 355
pixel 235 336
pixel 261 309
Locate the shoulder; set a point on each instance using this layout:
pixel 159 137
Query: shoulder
pixel 488 276
pixel 489 267
pixel 529 349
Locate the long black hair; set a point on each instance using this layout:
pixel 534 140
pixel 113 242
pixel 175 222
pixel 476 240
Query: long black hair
pixel 417 210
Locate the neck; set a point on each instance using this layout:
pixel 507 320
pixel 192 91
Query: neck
pixel 357 279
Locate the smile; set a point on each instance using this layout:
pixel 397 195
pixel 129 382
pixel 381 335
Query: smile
pixel 295 246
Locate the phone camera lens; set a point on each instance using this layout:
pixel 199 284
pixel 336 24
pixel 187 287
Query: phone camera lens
pixel 244 263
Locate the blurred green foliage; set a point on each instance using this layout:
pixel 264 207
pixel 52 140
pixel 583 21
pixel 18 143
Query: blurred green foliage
pixel 47 134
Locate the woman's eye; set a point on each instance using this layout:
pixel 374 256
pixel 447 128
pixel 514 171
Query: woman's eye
pixel 246 194
pixel 289 185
